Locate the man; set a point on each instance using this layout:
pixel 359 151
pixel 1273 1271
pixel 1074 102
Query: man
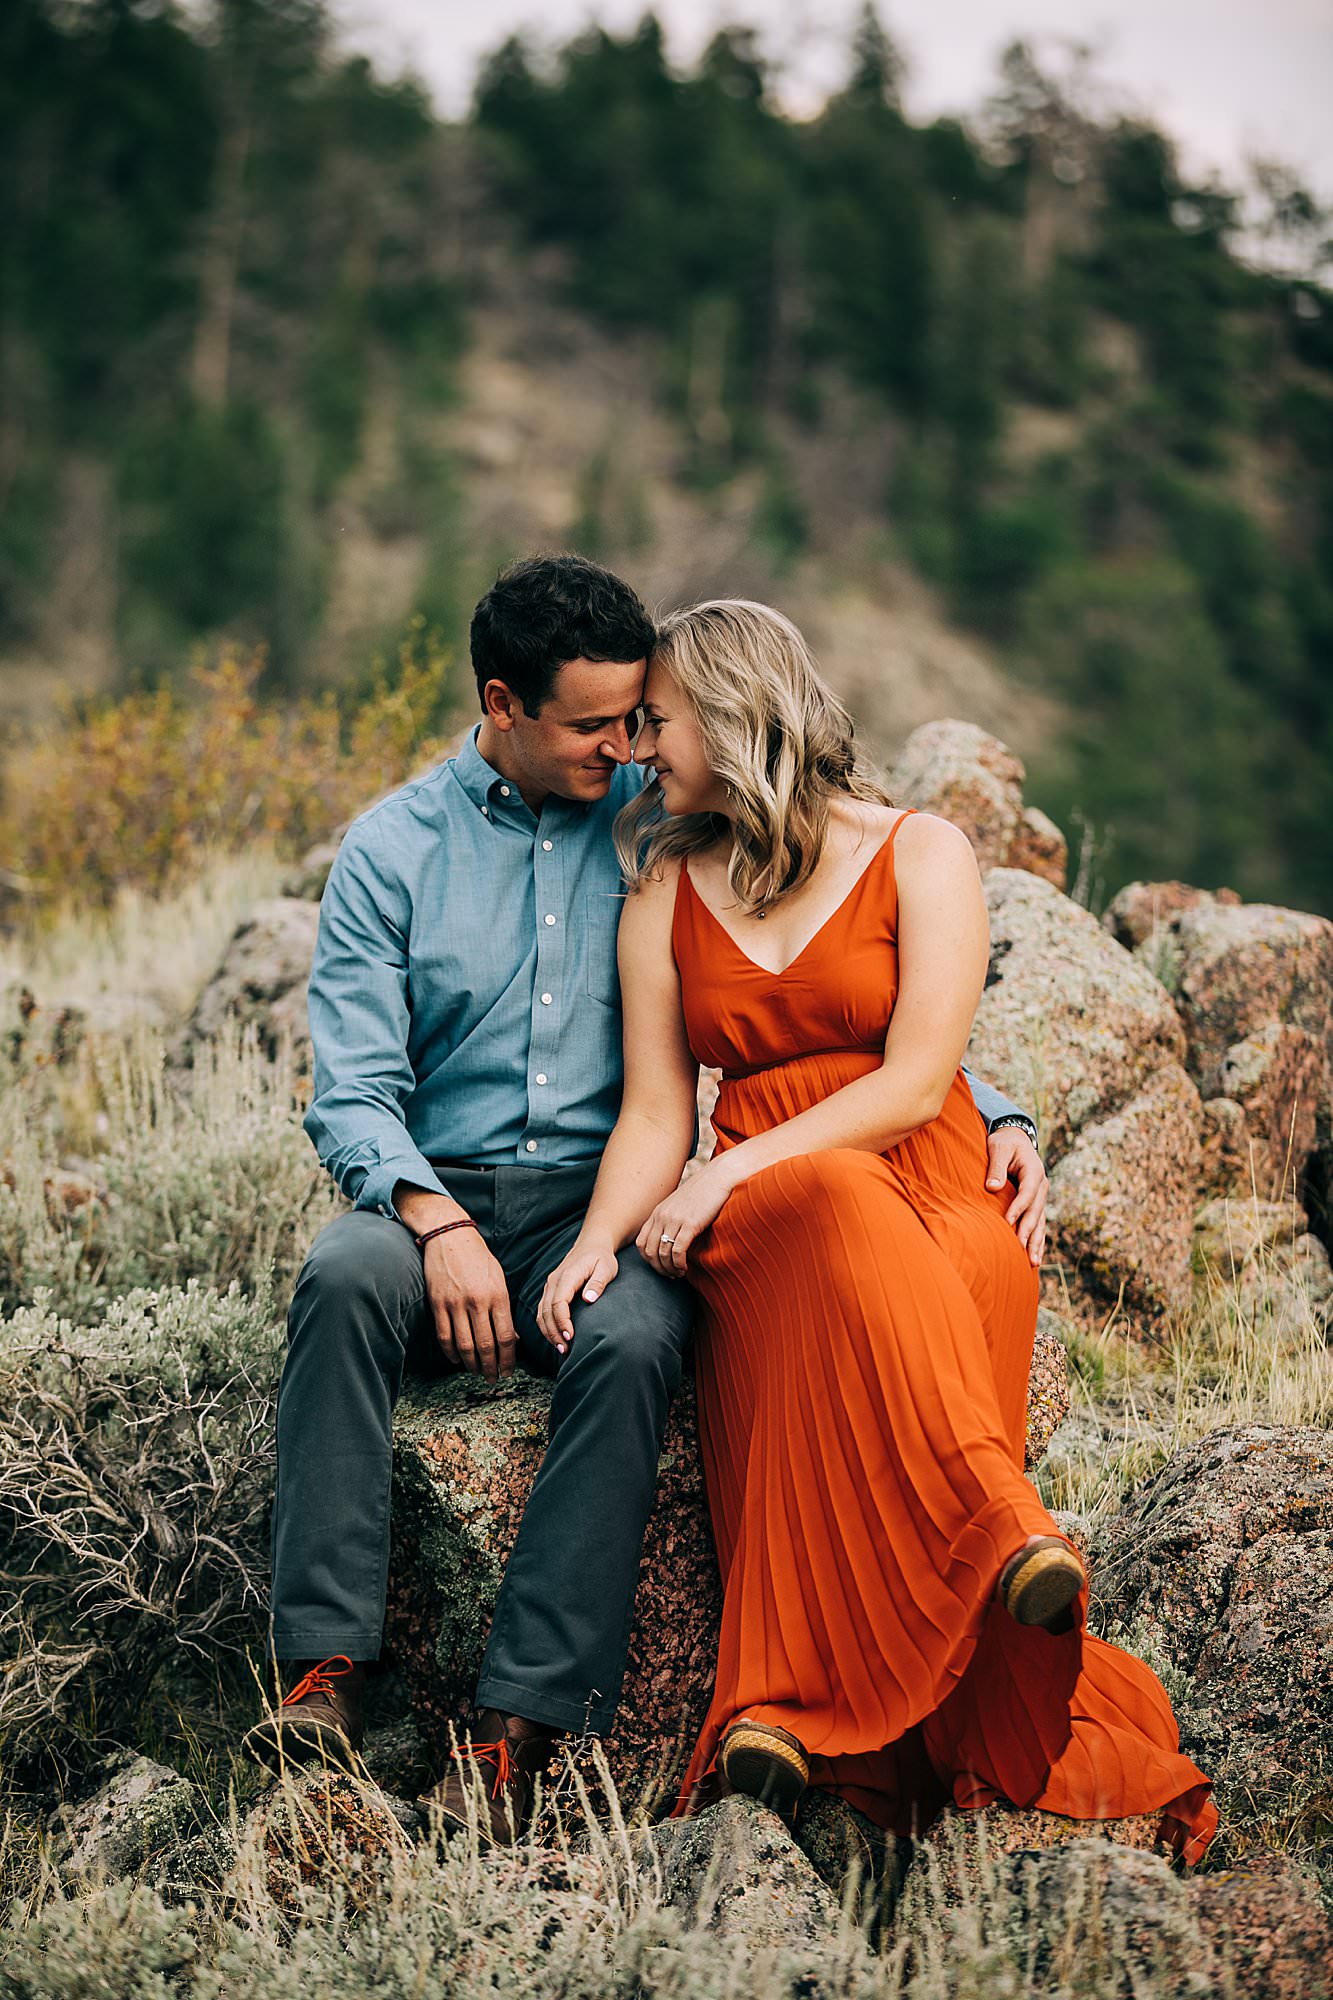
pixel 465 1016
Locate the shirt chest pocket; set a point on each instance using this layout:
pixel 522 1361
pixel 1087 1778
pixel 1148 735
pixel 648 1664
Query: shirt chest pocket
pixel 601 921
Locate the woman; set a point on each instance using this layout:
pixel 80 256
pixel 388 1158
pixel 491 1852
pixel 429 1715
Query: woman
pixel 902 1624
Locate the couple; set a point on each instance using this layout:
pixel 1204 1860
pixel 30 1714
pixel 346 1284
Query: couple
pixel 903 1624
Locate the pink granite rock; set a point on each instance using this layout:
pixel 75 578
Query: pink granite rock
pixel 1236 971
pixel 1269 1930
pixel 1220 1568
pixel 1232 1230
pixel 465 1455
pixel 1048 1387
pixel 1070 1025
pixel 958 771
pixel 1279 1076
pixel 1142 909
pixel 1122 1199
pixel 1224 1140
pixel 1040 848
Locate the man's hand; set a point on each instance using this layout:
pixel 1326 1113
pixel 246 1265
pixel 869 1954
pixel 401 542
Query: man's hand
pixel 465 1286
pixel 470 1300
pixel 1013 1157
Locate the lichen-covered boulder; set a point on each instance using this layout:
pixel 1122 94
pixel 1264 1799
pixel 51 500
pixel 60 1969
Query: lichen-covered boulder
pixel 1143 910
pixel 261 980
pixel 321 1829
pixel 1234 971
pixel 1039 848
pixel 1268 1927
pixel 1230 1231
pixel 958 771
pixel 1086 1907
pixel 860 1863
pixel 1070 1025
pixel 1048 1386
pixel 466 1453
pixel 140 1820
pixel 1290 1290
pixel 1122 1199
pixel 1221 1570
pixel 1093 1916
pixel 736 1870
pixel 1279 1077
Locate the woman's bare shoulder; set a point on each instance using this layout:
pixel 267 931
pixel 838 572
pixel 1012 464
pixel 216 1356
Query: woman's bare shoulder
pixel 929 848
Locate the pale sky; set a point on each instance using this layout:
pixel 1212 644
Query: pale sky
pixel 1226 78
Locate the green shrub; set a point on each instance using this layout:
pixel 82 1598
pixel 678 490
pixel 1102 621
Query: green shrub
pixel 209 1178
pixel 135 1486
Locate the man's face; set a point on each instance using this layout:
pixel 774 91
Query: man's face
pixel 582 731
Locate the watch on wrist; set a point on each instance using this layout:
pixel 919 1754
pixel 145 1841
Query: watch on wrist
pixel 1023 1123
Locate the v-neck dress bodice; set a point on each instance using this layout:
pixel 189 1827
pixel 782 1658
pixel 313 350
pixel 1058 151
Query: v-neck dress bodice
pixel 862 1355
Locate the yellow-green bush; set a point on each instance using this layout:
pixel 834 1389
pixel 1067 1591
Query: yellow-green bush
pixel 135 792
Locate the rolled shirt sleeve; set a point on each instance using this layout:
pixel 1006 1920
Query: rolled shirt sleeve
pixel 359 1025
pixel 993 1104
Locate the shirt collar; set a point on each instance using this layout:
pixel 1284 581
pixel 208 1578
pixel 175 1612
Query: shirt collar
pixel 480 780
pixel 487 789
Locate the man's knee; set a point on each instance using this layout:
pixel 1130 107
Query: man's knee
pixel 639 1327
pixel 361 1267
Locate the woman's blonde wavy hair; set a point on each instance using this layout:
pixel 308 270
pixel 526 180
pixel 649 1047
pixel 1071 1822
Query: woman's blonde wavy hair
pixel 775 734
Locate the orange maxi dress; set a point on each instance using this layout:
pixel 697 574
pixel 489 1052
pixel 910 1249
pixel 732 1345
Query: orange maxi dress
pixel 862 1359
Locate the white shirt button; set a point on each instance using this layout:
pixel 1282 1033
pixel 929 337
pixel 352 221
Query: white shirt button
pixel 504 791
pixel 540 1077
pixel 546 999
pixel 548 920
pixel 531 1146
pixel 485 812
pixel 547 845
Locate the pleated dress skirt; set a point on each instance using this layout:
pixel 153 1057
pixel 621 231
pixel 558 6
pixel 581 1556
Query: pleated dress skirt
pixel 862 1359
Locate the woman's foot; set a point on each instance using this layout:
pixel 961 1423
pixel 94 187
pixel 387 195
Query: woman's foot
pixel 1040 1583
pixel 766 1763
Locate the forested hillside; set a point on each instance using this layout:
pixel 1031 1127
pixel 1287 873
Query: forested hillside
pixel 240 276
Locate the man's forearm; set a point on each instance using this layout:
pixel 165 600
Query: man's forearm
pixel 420 1209
pixel 994 1105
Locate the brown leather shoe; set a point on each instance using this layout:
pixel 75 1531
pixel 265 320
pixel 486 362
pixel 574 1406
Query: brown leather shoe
pixel 318 1722
pixel 1039 1584
pixel 490 1784
pixel 766 1763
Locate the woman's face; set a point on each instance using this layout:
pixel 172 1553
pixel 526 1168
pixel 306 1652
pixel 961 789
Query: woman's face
pixel 669 742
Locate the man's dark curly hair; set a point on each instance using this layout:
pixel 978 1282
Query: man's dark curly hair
pixel 547 609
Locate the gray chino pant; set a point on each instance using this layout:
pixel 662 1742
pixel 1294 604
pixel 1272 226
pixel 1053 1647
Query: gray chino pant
pixel 358 1317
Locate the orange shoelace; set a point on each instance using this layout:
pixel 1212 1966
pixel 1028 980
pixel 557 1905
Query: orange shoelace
pixel 319 1680
pixel 504 1763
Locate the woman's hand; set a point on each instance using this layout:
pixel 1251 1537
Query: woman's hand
pixel 666 1236
pixel 587 1269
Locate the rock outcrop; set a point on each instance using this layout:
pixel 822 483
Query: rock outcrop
pixel 1220 1571
pixel 1077 1030
pixel 143 1819
pixel 1069 1024
pixel 261 980
pixel 736 1870
pixel 958 771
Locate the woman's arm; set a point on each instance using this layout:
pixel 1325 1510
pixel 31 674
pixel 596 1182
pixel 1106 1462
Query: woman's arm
pixel 943 950
pixel 654 1133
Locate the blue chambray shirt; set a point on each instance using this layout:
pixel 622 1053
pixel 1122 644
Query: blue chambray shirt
pixel 464 997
